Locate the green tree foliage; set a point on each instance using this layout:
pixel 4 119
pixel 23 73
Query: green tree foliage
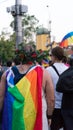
pixel 29 27
pixel 6 50
pixel 7 47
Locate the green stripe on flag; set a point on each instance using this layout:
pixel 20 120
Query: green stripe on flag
pixel 18 107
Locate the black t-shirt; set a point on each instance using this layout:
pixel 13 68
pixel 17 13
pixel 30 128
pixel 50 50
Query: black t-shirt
pixel 67 101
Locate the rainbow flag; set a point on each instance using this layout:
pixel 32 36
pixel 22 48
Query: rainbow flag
pixel 67 40
pixel 23 101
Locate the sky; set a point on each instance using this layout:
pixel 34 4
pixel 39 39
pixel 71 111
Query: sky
pixel 59 12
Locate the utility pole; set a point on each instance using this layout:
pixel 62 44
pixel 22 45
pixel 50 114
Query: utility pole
pixel 17 12
pixel 49 30
pixel 18 23
pixel 49 23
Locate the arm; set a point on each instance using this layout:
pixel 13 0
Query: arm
pixel 49 91
pixel 2 89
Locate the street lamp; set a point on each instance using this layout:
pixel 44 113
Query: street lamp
pixel 49 29
pixel 17 12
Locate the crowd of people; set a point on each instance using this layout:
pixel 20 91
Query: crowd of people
pixel 28 96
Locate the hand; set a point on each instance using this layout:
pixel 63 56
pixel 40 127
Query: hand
pixel 49 122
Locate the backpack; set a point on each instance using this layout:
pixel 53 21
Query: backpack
pixel 65 81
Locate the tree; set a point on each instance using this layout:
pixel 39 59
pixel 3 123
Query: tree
pixel 6 51
pixel 7 47
pixel 29 27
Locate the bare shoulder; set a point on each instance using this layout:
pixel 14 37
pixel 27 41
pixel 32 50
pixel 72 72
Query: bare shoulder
pixel 47 81
pixel 46 74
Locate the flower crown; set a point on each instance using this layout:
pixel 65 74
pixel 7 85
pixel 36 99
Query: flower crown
pixel 28 55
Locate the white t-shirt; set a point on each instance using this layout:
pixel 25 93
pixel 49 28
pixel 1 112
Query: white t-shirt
pixel 60 67
pixel 44 109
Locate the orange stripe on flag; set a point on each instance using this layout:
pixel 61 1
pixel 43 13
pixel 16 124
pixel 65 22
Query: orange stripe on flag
pixel 32 77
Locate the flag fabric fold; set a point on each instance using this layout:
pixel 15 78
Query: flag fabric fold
pixel 23 101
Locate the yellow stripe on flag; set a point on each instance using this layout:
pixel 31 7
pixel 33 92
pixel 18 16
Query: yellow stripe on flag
pixel 29 109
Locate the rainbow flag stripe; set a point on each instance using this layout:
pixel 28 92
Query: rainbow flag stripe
pixel 67 40
pixel 23 101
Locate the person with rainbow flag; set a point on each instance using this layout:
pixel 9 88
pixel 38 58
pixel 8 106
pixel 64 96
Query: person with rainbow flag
pixel 26 94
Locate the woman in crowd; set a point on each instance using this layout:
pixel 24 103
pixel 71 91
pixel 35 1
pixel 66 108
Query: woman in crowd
pixel 57 56
pixel 26 94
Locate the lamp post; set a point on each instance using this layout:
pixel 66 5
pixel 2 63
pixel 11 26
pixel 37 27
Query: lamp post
pixel 49 29
pixel 17 12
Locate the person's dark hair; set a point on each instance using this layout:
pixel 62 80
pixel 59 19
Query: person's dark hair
pixel 71 60
pixel 16 61
pixel 50 62
pixel 58 52
pixel 25 54
pixel 64 60
pixel 9 63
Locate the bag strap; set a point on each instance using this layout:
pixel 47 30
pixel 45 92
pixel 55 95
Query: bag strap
pixel 55 70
